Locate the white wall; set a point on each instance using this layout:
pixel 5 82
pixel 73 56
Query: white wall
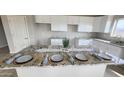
pixel 3 41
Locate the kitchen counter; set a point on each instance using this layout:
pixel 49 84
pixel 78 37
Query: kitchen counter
pixel 110 42
pixel 38 58
pixel 8 73
pixel 118 69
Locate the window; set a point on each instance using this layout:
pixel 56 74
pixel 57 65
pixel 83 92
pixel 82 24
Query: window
pixel 118 28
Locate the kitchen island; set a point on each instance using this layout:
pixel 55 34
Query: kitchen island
pixel 35 67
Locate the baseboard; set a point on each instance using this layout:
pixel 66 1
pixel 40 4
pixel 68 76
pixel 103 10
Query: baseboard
pixel 3 46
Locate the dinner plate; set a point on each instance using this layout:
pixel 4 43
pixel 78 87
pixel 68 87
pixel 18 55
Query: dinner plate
pixel 81 57
pixel 17 55
pixel 56 58
pixel 105 56
pixel 23 59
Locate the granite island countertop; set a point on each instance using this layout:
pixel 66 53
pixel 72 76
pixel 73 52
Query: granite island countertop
pixel 117 68
pixel 8 73
pixel 38 58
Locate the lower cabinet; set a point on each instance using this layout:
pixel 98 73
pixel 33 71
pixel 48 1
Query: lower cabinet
pixel 100 45
pixel 96 70
pixel 109 48
pixel 114 50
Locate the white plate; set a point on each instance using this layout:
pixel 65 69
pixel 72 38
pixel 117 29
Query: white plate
pixel 81 57
pixel 56 58
pixel 24 59
pixel 105 56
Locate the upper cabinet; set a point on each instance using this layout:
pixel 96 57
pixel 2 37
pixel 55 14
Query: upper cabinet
pixel 97 24
pixel 103 24
pixel 85 24
pixel 42 19
pixel 108 25
pixel 73 20
pixel 59 23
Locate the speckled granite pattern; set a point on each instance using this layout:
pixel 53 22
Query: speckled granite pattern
pixel 118 68
pixel 8 73
pixel 38 58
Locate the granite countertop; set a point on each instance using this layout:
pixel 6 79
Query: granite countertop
pixel 117 68
pixel 110 42
pixel 38 58
pixel 8 73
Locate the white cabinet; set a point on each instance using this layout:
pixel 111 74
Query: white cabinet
pixel 102 24
pixel 97 24
pixel 96 70
pixel 42 19
pixel 104 47
pixel 73 20
pixel 109 48
pixel 59 23
pixel 114 50
pixel 85 24
pixel 108 24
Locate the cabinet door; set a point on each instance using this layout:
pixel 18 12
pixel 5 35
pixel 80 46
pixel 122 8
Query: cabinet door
pixel 97 24
pixel 42 19
pixel 19 31
pixel 85 24
pixel 114 50
pixel 73 20
pixel 108 24
pixel 101 46
pixel 59 23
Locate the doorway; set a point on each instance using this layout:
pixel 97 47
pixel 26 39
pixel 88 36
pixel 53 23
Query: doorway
pixel 4 49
